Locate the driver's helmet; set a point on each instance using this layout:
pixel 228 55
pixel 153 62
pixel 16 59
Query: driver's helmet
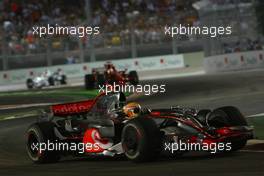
pixel 108 65
pixel 132 110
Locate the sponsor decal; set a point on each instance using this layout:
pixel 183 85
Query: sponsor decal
pixel 92 136
pixel 72 108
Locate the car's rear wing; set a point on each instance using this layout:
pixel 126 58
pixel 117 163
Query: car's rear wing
pixel 100 70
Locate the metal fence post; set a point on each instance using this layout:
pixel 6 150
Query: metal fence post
pixel 174 46
pixel 133 42
pixel 4 53
pixel 89 22
pixel 81 49
pixel 131 16
pixel 48 53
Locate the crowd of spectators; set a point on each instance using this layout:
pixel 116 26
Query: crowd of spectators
pixel 112 16
pixel 224 2
pixel 240 46
pixel 18 18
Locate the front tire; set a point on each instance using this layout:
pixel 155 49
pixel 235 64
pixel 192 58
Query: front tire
pixel 63 80
pixel 141 140
pixel 30 83
pixel 226 117
pixel 51 81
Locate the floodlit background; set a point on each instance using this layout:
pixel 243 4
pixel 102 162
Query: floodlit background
pixel 128 29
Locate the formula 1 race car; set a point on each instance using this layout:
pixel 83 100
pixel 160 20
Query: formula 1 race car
pixel 109 75
pixel 109 126
pixel 47 79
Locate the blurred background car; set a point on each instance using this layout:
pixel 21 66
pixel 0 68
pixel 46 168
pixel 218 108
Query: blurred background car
pixel 47 79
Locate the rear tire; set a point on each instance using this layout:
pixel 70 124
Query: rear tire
pixel 141 140
pixel 89 81
pixel 237 145
pixel 133 78
pixel 100 80
pixel 41 133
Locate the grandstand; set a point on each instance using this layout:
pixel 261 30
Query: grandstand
pixel 120 35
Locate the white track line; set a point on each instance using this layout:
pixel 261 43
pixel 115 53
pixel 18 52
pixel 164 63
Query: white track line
pixel 9 107
pixel 18 117
pixel 257 115
pixel 252 151
pixel 173 75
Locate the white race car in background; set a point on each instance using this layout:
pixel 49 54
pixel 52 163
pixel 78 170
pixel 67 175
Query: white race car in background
pixel 47 79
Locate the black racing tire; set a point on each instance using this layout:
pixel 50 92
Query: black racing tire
pixel 238 144
pixel 226 117
pixel 89 81
pixel 41 133
pixel 235 116
pixel 51 81
pixel 63 80
pixel 141 140
pixel 30 83
pixel 133 77
pixel 202 116
pixel 100 80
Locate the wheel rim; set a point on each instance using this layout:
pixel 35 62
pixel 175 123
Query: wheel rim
pixel 32 140
pixel 131 140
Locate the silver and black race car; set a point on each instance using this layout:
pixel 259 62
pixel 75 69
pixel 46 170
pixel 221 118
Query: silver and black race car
pixel 109 126
pixel 47 79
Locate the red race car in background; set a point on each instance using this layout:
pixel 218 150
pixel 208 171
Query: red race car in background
pixel 109 126
pixel 109 75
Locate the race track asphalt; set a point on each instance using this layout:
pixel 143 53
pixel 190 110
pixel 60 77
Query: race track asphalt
pixel 244 90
